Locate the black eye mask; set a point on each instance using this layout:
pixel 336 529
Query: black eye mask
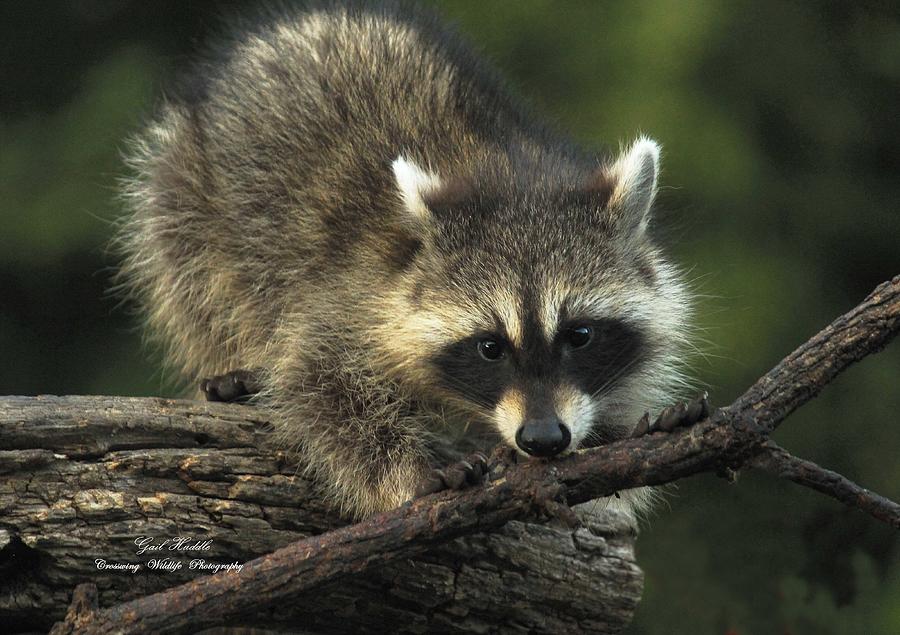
pixel 586 353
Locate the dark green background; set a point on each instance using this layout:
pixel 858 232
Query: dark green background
pixel 780 129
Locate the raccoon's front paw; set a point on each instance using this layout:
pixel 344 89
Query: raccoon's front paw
pixel 677 416
pixel 238 385
pixel 460 475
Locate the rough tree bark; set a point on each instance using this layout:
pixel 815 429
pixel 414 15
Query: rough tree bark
pixel 82 477
pixel 731 437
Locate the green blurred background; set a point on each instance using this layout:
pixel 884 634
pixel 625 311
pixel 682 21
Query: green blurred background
pixel 780 123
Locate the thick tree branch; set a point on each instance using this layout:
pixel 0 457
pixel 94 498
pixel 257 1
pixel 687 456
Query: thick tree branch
pixel 740 430
pixel 727 439
pixel 82 477
pixel 800 376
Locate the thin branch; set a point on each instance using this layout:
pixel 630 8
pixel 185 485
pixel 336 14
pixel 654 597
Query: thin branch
pixel 729 438
pixel 779 462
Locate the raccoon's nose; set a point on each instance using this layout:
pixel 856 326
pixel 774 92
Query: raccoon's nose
pixel 543 437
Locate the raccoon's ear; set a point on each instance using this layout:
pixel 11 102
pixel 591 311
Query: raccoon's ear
pixel 415 185
pixel 632 185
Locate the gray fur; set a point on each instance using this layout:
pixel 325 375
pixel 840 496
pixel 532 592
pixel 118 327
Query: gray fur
pixel 270 228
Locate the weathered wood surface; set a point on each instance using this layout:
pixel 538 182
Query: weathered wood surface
pixel 82 477
pixel 729 438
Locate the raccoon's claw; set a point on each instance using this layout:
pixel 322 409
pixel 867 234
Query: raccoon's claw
pixel 677 416
pixel 238 385
pixel 682 414
pixel 460 475
pixel 643 426
pixel 671 417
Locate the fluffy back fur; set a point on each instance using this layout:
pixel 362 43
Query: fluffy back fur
pixel 347 198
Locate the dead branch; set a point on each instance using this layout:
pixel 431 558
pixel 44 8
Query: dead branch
pixel 731 437
pixel 82 477
pixel 781 463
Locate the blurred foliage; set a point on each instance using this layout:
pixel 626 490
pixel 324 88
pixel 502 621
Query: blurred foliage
pixel 780 127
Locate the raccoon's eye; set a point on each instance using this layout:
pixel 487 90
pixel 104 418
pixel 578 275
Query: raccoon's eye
pixel 490 349
pixel 579 336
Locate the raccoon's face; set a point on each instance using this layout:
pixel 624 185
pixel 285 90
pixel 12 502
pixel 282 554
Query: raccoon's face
pixel 549 314
pixel 544 391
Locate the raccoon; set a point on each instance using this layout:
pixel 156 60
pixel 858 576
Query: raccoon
pixel 347 200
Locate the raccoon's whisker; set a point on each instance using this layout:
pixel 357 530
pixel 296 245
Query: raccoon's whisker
pixel 466 390
pixel 615 377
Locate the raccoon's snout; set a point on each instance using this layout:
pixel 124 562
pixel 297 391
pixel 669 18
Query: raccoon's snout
pixel 543 437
